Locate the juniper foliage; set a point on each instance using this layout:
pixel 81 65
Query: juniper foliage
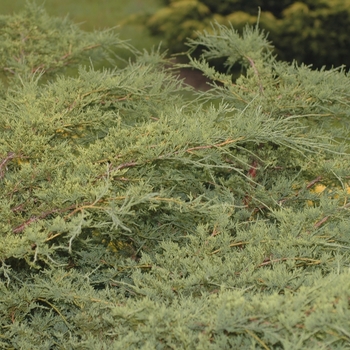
pixel 35 42
pixel 134 218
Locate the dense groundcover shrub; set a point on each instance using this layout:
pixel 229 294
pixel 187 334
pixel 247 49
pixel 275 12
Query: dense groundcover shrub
pixel 134 218
pixel 310 31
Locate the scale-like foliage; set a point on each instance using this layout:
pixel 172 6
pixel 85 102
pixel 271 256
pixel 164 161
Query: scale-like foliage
pixel 35 42
pixel 134 218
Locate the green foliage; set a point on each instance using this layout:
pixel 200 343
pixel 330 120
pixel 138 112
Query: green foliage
pixel 311 31
pixel 316 35
pixel 134 218
pixel 33 41
pixel 229 6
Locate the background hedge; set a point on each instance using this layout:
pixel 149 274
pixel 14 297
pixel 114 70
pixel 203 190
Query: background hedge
pixel 312 32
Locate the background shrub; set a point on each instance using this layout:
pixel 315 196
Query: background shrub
pixel 312 32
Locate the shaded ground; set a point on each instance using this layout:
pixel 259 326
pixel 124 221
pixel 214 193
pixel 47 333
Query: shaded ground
pixel 194 78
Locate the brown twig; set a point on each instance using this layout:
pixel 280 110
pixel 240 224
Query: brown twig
pixel 322 221
pixel 311 183
pixel 268 262
pixel 189 150
pixel 10 155
pixel 21 227
pixel 236 244
pixel 227 142
pixel 125 165
pixel 251 62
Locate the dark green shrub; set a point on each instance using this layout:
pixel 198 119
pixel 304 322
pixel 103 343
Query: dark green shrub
pixel 312 32
pixel 317 36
